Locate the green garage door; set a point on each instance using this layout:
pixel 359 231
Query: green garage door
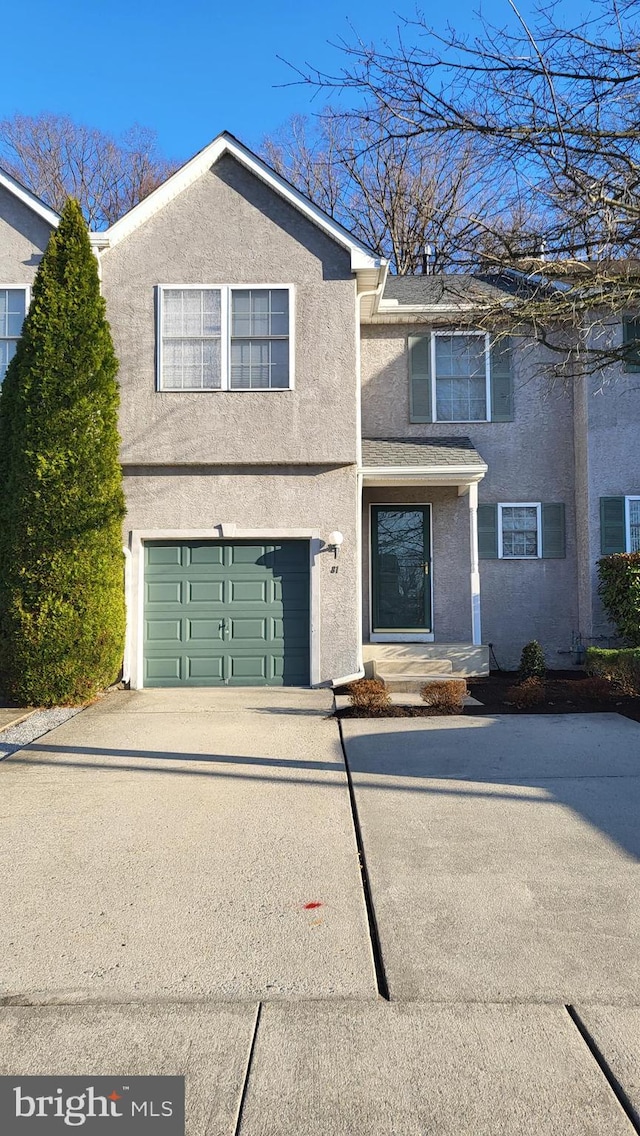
pixel 220 613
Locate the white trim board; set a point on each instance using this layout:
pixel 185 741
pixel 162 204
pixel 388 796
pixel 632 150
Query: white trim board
pixel 19 191
pixel 225 143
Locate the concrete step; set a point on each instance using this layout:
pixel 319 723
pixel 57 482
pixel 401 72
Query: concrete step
pixel 401 683
pixel 411 666
pixel 465 659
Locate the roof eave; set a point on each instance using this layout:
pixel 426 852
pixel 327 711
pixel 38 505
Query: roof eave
pixel 361 258
pixel 29 199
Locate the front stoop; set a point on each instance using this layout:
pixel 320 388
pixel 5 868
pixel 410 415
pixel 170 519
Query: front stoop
pixel 406 667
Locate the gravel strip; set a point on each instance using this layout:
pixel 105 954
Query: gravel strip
pixel 37 724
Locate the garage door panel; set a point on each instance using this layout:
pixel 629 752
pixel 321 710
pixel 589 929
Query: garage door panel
pixel 163 630
pixel 207 667
pixel 248 668
pixel 205 553
pixel 162 556
pixel 294 592
pixel 255 630
pixel 204 591
pixel 248 591
pixel 209 630
pixel 168 669
pixel 163 592
pixel 222 612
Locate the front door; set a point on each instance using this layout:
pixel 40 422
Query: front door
pixel 401 568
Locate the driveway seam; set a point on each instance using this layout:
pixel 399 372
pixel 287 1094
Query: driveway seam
pixel 621 1096
pixel 247 1072
pixel 374 933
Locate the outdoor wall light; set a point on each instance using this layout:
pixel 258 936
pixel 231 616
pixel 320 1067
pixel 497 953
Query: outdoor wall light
pixel 335 540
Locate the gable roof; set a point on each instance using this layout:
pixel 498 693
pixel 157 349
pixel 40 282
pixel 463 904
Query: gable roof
pixel 361 257
pixel 29 199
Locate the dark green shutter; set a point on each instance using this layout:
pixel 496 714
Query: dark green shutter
pixel 488 532
pixel 501 381
pixel 631 339
pixel 553 531
pixel 420 378
pixel 613 529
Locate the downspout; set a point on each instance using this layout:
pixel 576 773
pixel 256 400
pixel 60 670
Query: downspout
pixel 377 291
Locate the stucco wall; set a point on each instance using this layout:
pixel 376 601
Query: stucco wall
pixel 229 228
pixel 612 409
pixel 529 459
pixel 263 499
pixel 23 239
pixel 450 551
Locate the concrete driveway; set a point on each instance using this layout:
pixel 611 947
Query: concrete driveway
pixel 182 894
pixel 504 854
pixel 166 844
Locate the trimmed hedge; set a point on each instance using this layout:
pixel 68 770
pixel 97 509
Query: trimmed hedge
pixel 619 588
pixel 62 614
pixel 621 666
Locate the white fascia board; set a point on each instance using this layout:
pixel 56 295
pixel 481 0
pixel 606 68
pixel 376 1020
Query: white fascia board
pixel 450 473
pixel 361 257
pixel 29 199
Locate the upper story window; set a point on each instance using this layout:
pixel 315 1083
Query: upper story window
pixel 460 377
pixel 13 308
pixel 224 338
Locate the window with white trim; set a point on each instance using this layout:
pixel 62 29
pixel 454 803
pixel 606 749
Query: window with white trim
pixel 633 524
pixel 461 376
pixel 224 338
pixel 13 308
pixel 519 531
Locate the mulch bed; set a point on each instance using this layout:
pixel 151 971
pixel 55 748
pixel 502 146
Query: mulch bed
pixel 561 698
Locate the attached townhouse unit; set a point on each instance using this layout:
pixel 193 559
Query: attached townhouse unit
pixel 327 468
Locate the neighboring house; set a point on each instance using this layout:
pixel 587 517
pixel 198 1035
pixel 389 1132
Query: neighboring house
pixel 323 466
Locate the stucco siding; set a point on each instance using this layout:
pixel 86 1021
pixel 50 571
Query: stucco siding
pixel 529 459
pixel 613 415
pixel 265 500
pixel 229 228
pixel 23 239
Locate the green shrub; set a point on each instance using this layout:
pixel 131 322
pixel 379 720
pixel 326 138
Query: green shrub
pixel 62 613
pixel 620 666
pixel 368 694
pixel 529 692
pixel 532 664
pixel 619 588
pixel 445 695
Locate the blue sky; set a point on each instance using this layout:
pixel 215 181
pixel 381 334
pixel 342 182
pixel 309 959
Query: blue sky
pixel 190 69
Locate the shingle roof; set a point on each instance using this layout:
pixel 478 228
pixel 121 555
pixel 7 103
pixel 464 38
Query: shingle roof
pixel 420 452
pixel 448 289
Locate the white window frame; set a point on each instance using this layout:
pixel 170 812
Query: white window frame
pixel 225 337
pixel 487 375
pixel 26 288
pixel 627 518
pixel 537 505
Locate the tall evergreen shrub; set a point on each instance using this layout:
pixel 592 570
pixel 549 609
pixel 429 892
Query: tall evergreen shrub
pixel 62 615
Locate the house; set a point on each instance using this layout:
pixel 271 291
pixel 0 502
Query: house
pixel 325 469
